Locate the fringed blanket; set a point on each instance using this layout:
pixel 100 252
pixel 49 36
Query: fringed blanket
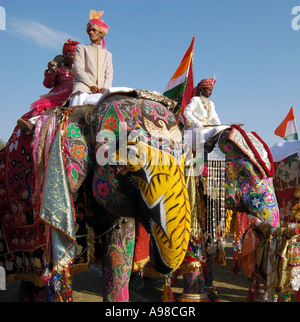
pixel 23 235
pixel 255 148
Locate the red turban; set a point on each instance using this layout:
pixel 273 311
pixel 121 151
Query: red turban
pixel 207 83
pixel 70 45
pixel 98 23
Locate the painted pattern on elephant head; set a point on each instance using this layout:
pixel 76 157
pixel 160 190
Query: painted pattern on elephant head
pixel 247 190
pixel 139 141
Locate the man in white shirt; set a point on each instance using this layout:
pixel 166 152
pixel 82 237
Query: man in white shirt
pixel 201 113
pixel 92 64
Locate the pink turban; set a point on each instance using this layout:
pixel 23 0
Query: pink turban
pixel 98 23
pixel 207 83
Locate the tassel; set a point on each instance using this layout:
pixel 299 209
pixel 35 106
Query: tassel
pixel 168 295
pixel 165 292
pixel 221 259
pixel 171 295
pixel 275 297
pixel 235 267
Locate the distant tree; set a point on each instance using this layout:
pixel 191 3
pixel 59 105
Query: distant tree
pixel 2 144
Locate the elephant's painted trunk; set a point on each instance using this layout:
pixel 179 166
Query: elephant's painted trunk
pixel 166 203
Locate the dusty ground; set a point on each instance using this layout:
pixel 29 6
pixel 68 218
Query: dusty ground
pixel 87 286
pixel 230 287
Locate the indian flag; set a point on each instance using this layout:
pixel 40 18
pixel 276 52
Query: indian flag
pixel 288 128
pixel 181 85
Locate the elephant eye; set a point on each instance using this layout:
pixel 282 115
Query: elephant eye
pixel 132 152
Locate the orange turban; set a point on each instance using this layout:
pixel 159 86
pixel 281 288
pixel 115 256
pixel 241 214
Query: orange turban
pixel 207 83
pixel 70 45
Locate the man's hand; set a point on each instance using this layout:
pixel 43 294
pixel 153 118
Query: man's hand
pixel 94 89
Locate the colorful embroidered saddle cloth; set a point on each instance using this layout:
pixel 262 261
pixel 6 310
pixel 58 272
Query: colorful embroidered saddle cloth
pixel 139 93
pixel 22 231
pixel 255 148
pixel 251 145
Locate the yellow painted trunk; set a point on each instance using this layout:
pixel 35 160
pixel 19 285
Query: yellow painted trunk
pixel 164 189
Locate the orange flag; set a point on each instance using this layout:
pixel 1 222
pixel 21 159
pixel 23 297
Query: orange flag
pixel 288 128
pixel 181 85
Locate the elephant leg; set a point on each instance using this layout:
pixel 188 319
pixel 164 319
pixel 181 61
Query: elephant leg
pixel 118 250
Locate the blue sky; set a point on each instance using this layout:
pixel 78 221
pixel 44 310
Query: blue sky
pixel 248 45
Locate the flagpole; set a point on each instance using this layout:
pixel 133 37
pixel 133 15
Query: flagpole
pixel 190 78
pixel 176 88
pixel 185 83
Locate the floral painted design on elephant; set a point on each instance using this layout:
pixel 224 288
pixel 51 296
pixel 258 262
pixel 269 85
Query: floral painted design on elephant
pixel 246 187
pixel 119 248
pixel 141 120
pixel 78 156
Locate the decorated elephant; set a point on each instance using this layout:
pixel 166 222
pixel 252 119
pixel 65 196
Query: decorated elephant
pixel 249 171
pixel 90 172
pixel 100 172
pixel 236 178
